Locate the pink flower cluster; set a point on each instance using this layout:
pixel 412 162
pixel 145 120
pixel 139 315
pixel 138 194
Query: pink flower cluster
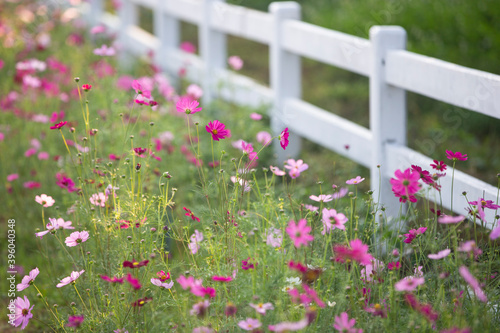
pixel 413 233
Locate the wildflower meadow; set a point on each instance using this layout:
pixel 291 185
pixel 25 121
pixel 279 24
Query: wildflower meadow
pixel 132 206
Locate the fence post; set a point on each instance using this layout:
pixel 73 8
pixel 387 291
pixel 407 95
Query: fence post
pixel 212 50
pixel 96 11
pixel 167 29
pixel 286 80
pixel 387 113
pixel 128 17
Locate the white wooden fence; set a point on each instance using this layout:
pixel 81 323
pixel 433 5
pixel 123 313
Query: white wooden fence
pixel 391 69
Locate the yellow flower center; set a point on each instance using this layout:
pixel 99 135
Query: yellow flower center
pixel 135 264
pixel 214 131
pixel 378 306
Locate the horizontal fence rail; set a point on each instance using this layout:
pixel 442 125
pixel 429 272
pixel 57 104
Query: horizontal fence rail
pixel 391 69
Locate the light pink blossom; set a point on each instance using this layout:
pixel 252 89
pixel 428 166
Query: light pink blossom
pixel 69 279
pixel 249 324
pixel 440 254
pixel 262 307
pixel 45 200
pixel 474 284
pixel 28 279
pixel 76 238
pixel 409 283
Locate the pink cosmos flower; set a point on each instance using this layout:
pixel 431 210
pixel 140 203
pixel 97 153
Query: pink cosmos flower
pixel 99 199
pixel 203 329
pixel 133 281
pixel 248 264
pixel 274 237
pixel 199 309
pixel 255 116
pixel 195 238
pixel 355 181
pixel 113 279
pixel 264 138
pixel 311 208
pixel 52 225
pixel 12 177
pixel 245 184
pixel 188 47
pixel 194 91
pixel 45 200
pixel 331 215
pixel 299 233
pixel 75 321
pixel 409 283
pixel 277 171
pixel 249 324
pixel 235 62
pixel 105 51
pixel 474 284
pixel 312 296
pixel 262 307
pixel 217 129
pixel 69 279
pixel 341 193
pixel 357 251
pixel 322 198
pixel 406 183
pixel 98 29
pixel 191 214
pixel 289 326
pixel 76 238
pixel 187 105
pixel 31 185
pixel 161 284
pixel 344 324
pixel 283 137
pixel 495 233
pixel 22 312
pixel 446 219
pixel 188 282
pixel 200 291
pixel 440 254
pixel 248 149
pixel 456 156
pixel 222 278
pixel 43 155
pixel 413 233
pixel 371 270
pixel 28 279
pixel 30 152
pixel 296 167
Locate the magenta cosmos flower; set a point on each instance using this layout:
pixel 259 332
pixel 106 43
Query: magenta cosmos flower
pixel 44 200
pixel 75 321
pixel 357 251
pixel 283 137
pixel 70 279
pixel 187 105
pixel 76 238
pixel 249 324
pixel 28 279
pixel 218 130
pixel 331 215
pixel 222 278
pixel 409 283
pixel 406 182
pixel 456 156
pixel 355 181
pixel 134 263
pixel 299 233
pixel 59 125
pixel 23 312
pixel 135 283
pixel 484 203
pixel 262 307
